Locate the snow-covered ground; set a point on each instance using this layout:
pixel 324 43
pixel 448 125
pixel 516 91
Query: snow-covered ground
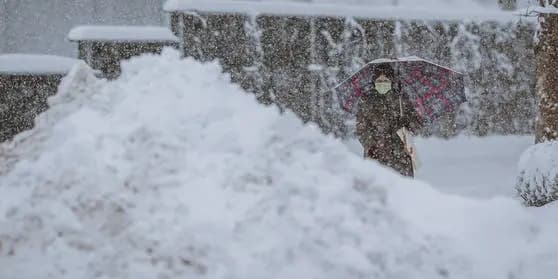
pixel 469 166
pixel 173 172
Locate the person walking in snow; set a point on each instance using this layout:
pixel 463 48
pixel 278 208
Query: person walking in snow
pixel 384 115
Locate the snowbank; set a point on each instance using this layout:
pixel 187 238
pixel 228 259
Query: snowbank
pixel 173 172
pixel 538 174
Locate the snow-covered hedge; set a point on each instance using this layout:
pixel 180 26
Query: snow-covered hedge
pixel 538 174
pixel 173 172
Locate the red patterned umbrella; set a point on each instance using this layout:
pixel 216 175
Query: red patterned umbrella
pixel 435 90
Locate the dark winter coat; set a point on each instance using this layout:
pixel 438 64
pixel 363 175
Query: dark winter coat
pixel 378 119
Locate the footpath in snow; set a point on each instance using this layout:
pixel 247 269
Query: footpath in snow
pixel 173 172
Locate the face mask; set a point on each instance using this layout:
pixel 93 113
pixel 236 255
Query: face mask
pixel 383 87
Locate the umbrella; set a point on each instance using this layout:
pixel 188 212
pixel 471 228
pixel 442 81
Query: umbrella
pixel 435 90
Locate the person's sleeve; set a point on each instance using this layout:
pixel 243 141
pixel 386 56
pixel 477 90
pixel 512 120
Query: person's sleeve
pixel 365 128
pixel 361 121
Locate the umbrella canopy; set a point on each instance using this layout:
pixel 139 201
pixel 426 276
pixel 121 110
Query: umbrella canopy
pixel 435 90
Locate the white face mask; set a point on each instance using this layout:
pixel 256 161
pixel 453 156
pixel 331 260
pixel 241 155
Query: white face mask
pixel 383 87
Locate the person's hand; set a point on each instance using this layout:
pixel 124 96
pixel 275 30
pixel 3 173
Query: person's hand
pixel 400 123
pixel 414 127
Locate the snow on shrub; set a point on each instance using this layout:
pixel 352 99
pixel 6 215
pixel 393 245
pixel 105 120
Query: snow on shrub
pixel 537 183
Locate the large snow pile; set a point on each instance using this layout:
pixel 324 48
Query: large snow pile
pixel 538 174
pixel 172 172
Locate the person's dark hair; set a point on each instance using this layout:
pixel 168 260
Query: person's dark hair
pixel 383 69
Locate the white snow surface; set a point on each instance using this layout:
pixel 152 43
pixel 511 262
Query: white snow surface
pixel 171 171
pixel 19 63
pixel 470 166
pixel 479 167
pixel 121 33
pixel 406 9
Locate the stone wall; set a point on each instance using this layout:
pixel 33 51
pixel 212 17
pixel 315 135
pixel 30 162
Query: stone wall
pixel 292 61
pixel 22 98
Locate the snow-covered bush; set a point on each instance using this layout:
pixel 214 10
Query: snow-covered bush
pixel 537 183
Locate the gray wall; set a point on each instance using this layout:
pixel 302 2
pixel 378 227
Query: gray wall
pixel 41 25
pixel 292 61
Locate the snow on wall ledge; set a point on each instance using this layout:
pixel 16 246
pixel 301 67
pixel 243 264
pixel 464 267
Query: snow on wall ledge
pixel 438 10
pixel 173 172
pixel 121 33
pixel 19 63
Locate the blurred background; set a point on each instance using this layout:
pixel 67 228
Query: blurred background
pixel 42 25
